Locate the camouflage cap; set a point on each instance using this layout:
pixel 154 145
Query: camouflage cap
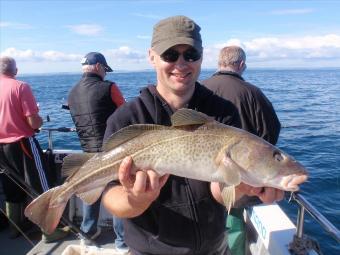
pixel 176 30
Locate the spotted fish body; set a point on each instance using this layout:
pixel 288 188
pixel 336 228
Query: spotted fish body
pixel 194 147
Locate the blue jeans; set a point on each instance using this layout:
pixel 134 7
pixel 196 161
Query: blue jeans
pixel 90 217
pixel 118 228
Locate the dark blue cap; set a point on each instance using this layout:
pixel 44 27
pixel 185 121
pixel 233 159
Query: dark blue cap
pixel 93 58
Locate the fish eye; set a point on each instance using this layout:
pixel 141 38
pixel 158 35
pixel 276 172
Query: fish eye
pixel 277 156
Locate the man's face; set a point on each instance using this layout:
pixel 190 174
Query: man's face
pixel 176 73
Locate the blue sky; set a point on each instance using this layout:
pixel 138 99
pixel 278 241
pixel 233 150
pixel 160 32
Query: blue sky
pixel 53 36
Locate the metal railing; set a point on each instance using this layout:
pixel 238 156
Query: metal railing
pixel 51 130
pixel 304 205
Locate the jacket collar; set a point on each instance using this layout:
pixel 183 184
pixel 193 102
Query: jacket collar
pixel 92 75
pixel 229 73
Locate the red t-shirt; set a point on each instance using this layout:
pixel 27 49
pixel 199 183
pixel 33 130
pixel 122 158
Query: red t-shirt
pixel 16 103
pixel 116 95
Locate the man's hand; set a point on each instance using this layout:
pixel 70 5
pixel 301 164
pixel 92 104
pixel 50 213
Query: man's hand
pixel 136 192
pixel 266 194
pixel 143 188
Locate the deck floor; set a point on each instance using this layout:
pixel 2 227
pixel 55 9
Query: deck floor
pixel 17 246
pixel 105 240
pixel 21 246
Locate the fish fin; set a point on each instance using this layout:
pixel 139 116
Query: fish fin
pixel 229 169
pixel 228 196
pixel 185 117
pixel 73 162
pixel 128 133
pixel 42 213
pixel 91 196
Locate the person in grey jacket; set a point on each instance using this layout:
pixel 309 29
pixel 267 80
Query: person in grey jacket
pixel 257 116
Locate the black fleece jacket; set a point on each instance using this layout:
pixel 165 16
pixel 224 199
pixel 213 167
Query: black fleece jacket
pixel 185 218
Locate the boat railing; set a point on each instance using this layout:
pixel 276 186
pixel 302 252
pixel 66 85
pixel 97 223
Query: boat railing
pixel 302 242
pixel 304 205
pixel 51 130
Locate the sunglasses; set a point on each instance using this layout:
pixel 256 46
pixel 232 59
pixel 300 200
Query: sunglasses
pixel 190 55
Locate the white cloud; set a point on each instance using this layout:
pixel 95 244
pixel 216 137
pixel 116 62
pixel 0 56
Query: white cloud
pixel 122 58
pixel 291 49
pixel 86 29
pixel 15 25
pixel 148 16
pixel 144 37
pixel 291 11
pixel 37 56
pixel 125 54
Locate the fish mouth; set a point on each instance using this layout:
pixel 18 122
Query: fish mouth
pixel 292 182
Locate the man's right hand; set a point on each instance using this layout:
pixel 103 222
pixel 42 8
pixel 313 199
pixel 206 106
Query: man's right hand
pixel 136 192
pixel 143 187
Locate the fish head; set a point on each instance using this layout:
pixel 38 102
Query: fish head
pixel 264 165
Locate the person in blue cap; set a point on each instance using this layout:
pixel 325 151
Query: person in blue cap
pixel 91 101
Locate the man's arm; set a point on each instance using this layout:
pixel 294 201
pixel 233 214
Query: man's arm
pixel 136 192
pixel 35 121
pixel 116 95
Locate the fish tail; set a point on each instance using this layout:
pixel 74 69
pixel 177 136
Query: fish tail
pixel 41 211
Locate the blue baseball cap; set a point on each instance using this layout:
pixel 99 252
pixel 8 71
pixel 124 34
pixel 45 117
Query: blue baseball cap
pixel 93 58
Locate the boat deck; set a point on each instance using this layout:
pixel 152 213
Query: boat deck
pixel 35 246
pixel 19 245
pixel 104 241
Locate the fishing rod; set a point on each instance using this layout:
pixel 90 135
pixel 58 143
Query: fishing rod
pixel 30 191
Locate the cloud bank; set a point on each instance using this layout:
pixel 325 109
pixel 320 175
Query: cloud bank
pixel 279 52
pixel 37 56
pixel 291 11
pixel 86 29
pixel 14 25
pixel 290 49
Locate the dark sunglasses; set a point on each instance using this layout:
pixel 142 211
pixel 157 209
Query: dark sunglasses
pixel 190 55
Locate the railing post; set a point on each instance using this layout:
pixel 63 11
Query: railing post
pixel 300 221
pixel 50 142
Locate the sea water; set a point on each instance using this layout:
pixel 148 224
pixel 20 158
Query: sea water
pixel 307 103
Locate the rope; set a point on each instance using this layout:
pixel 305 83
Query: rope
pixel 301 246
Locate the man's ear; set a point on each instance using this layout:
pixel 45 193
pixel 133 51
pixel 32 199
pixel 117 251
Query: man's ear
pixel 152 57
pixel 242 67
pixel 97 67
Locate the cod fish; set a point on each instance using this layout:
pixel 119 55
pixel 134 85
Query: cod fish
pixel 195 147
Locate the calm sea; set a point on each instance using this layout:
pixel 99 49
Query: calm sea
pixel 307 103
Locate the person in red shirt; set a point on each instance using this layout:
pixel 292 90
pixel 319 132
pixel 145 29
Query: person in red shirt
pixel 20 152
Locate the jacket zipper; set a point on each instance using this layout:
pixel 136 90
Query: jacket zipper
pixel 193 212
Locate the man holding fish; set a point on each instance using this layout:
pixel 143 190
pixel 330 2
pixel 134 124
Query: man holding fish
pixel 176 168
pixel 170 214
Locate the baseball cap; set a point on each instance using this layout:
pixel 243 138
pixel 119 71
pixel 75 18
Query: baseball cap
pixel 176 30
pixel 93 58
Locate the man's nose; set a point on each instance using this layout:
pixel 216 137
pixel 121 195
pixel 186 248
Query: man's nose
pixel 181 63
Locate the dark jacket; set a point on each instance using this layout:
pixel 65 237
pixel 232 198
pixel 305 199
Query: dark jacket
pixel 256 111
pixel 90 105
pixel 184 219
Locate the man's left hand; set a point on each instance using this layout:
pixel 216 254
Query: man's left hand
pixel 266 194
